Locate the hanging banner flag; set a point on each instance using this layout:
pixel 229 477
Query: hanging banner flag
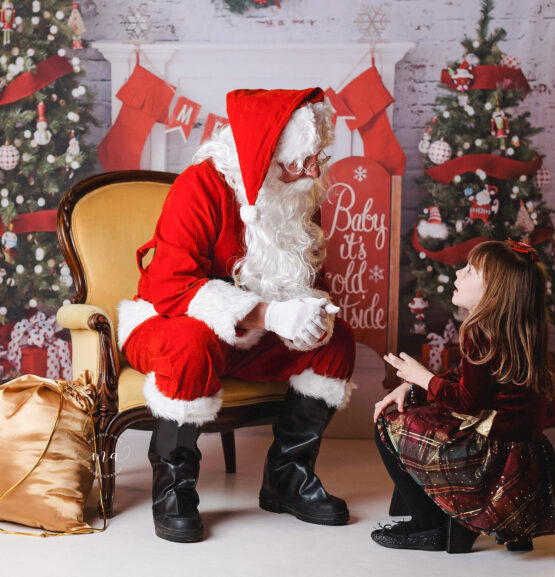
pixel 183 117
pixel 213 123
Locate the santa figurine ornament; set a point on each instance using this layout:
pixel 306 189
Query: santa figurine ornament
pixel 499 126
pixel 7 20
pixel 235 288
pixel 9 245
pixel 462 77
pixel 434 227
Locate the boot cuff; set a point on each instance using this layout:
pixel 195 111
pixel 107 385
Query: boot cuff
pixel 335 392
pixel 197 411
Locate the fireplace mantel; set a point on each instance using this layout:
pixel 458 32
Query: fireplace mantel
pixel 204 73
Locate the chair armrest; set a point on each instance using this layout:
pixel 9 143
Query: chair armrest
pixel 93 342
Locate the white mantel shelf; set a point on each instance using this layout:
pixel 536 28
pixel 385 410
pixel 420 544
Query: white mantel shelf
pixel 206 72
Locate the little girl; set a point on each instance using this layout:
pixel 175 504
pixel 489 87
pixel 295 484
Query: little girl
pixel 474 460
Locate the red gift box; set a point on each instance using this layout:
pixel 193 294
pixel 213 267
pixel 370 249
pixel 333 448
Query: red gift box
pixel 450 356
pixel 33 361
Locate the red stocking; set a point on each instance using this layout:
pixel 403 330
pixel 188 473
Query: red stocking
pixel 146 99
pixel 367 98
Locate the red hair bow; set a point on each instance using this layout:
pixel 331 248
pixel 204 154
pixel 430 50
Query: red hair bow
pixel 523 247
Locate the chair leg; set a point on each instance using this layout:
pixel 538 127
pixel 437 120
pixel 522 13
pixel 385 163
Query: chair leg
pixel 106 446
pixel 228 444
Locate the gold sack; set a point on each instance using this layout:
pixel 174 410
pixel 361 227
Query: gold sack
pixel 50 423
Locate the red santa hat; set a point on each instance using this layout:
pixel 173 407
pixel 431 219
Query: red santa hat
pixel 257 119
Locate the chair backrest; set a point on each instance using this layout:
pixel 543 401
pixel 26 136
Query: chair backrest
pixel 102 221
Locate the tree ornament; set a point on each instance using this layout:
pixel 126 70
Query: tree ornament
pixel 482 206
pixel 417 307
pixel 72 149
pixel 543 177
pixel 9 245
pixel 515 140
pixel 433 227
pixel 439 152
pixel 77 25
pixel 42 135
pixel 424 144
pixel 510 61
pixel 523 219
pixel 9 156
pixel 499 126
pixel 7 20
pixel 463 99
pixel 462 77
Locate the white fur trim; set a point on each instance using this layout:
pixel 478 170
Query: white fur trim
pixel 249 214
pixel 197 412
pixel 335 392
pixel 221 306
pixel 249 339
pixel 130 315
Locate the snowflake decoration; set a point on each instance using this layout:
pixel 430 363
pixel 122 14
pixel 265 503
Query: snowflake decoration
pixel 360 174
pixel 376 274
pixel 136 22
pixel 371 22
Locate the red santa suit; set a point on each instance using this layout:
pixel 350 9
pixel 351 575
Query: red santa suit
pixel 181 329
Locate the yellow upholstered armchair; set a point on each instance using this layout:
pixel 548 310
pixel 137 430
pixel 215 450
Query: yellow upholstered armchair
pixel 102 220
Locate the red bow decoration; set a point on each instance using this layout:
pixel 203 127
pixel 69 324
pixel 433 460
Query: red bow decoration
pixel 523 247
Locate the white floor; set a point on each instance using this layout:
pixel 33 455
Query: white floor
pixel 244 541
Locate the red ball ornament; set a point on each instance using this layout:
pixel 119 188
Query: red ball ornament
pixel 543 177
pixel 9 156
pixel 439 152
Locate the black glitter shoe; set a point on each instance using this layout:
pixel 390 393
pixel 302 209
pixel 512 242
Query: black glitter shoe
pixel 398 536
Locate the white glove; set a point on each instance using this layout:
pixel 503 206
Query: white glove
pixel 299 320
pixel 309 344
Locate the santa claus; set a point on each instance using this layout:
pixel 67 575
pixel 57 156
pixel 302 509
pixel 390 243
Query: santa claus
pixel 233 289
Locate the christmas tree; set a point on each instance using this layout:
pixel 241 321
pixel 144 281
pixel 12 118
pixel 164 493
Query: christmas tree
pixel 483 178
pixel 44 115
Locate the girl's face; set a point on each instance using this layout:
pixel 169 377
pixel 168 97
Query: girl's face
pixel 469 288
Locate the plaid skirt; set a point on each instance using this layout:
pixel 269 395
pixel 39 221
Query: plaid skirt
pixel 506 488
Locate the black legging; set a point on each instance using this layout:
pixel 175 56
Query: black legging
pixel 424 512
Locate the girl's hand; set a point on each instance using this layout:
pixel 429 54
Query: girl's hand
pixel 410 370
pixel 397 395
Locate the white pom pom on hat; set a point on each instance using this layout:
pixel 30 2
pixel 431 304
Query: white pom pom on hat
pixel 249 214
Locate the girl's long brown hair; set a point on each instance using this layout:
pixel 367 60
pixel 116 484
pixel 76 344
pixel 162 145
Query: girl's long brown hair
pixel 509 327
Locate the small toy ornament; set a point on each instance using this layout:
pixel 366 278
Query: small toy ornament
pixel 72 148
pixel 418 305
pixel 433 227
pixel 523 219
pixel 543 177
pixel 77 25
pixel 482 206
pixel 7 20
pixel 424 144
pixel 462 77
pixel 499 126
pixel 9 245
pixel 439 152
pixel 9 156
pixel 42 135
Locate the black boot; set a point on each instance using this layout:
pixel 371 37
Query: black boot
pixel 175 460
pixel 290 484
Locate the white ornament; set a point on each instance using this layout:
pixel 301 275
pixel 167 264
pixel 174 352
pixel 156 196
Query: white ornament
pixel 510 151
pixel 51 158
pixel 73 116
pixel 55 287
pixel 469 110
pixel 488 106
pixel 446 114
pixel 481 174
pixel 18 20
pixel 4 192
pixel 36 6
pixel 60 15
pixel 66 302
pixel 35 20
pixel 3 310
pixel 9 157
pixel 75 165
pixel 466 145
pixel 53 29
pixel 19 199
pixel 439 152
pixel 476 44
pixel 4 203
pixel 523 178
pixel 478 142
pixel 15 51
pixel 38 269
pixel 27 134
pixel 33 303
pixel 424 146
pixel 443 278
pixel 75 61
pixel 76 69
pixel 440 288
pixel 459 225
pixel 41 201
pixel 61 52
pixel 39 253
pixel 515 189
pixel 64 270
pixel 457 179
pixel 422 255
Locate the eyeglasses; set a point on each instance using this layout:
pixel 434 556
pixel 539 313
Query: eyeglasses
pixel 320 159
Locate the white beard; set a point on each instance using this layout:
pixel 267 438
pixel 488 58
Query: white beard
pixel 285 249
